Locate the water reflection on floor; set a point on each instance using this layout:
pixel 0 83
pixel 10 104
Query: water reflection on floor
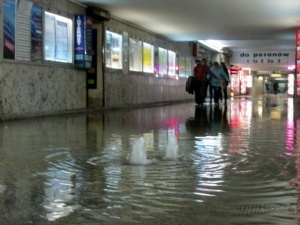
pixel 237 164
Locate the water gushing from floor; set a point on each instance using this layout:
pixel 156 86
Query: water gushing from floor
pixel 172 147
pixel 138 154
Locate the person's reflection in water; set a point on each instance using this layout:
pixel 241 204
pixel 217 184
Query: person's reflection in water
pixel 224 121
pixel 208 121
pixel 218 120
pixel 199 124
pixel 215 117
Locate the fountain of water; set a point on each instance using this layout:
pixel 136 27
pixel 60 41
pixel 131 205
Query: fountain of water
pixel 138 154
pixel 171 148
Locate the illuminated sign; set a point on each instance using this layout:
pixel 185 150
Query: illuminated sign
pixel 83 42
pixel 298 61
pixel 268 57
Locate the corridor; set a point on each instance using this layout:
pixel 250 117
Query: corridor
pixel 237 164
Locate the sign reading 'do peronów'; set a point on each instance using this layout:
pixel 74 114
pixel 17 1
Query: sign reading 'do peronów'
pixel 263 57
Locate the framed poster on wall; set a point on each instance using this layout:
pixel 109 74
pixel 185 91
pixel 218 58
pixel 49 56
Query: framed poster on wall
pixel 36 33
pixel 9 25
pixel 58 38
pixel 162 61
pixel 171 63
pixel 135 55
pixel 113 50
pixel 298 63
pixel 182 67
pixel 148 58
pixel 83 41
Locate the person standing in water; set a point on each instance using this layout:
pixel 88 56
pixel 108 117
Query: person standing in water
pixel 216 81
pixel 275 87
pixel 201 71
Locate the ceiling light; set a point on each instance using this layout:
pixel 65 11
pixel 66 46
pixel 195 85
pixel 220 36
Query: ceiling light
pixel 213 44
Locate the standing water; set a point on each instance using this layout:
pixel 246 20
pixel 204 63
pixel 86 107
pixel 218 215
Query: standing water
pixel 238 164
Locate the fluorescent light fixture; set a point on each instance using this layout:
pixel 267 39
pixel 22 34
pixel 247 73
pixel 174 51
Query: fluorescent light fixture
pixel 213 44
pixel 275 75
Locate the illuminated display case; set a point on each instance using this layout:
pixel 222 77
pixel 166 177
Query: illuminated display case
pixel 171 63
pixel 188 67
pixel 148 58
pixel 113 50
pixel 58 38
pixel 135 55
pixel 290 88
pixel 298 63
pixel 182 66
pixel 162 61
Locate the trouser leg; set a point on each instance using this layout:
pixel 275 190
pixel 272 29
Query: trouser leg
pixel 217 93
pixel 200 92
pixel 210 92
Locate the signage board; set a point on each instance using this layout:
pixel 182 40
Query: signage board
pixel 83 42
pixel 298 62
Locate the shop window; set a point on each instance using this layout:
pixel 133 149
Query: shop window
pixel 58 38
pixel 113 50
pixel 148 58
pixel 135 55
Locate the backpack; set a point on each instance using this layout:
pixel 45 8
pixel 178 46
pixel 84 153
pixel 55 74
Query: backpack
pixel 190 85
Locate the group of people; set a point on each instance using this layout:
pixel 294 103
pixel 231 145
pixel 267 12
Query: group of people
pixel 214 77
pixel 275 87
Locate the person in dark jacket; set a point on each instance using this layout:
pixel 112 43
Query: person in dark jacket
pixel 275 87
pixel 201 71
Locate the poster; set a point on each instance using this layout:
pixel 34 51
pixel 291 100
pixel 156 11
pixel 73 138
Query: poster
pixel 83 42
pixel 49 37
pixel 181 66
pixel 298 62
pixel 61 40
pixel 9 23
pixel 36 33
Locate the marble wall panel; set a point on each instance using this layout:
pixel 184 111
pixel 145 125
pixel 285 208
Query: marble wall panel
pixel 28 90
pixel 132 89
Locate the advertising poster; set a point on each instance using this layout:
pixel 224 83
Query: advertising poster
pixel 88 42
pixel 147 56
pixel 108 49
pixel 49 37
pixel 9 23
pixel 36 33
pixel 83 42
pixel 298 62
pixel 61 40
pixel 181 66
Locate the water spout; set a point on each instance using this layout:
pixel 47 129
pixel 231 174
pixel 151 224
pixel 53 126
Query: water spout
pixel 138 154
pixel 171 148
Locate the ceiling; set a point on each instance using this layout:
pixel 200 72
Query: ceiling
pixel 240 25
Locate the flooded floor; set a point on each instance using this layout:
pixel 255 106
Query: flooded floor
pixel 233 165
